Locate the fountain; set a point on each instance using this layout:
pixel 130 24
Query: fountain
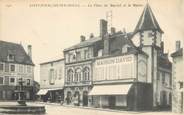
pixel 22 107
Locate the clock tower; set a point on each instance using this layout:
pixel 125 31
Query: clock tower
pixel 148 37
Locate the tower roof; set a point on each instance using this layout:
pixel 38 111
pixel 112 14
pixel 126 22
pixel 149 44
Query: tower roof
pixel 147 21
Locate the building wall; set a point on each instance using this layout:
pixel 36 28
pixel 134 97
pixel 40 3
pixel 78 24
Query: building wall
pixel 10 73
pixel 142 68
pixel 79 54
pixel 164 85
pixel 114 68
pixel 177 75
pixel 78 74
pixel 52 74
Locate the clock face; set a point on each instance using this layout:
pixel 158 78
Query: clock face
pixel 136 39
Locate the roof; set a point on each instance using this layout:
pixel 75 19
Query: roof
pixel 126 40
pixel 147 21
pixel 85 43
pixel 62 59
pixel 177 53
pixel 164 62
pixel 20 55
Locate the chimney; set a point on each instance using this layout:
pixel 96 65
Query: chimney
pixel 177 45
pixel 29 49
pixel 91 36
pixel 103 28
pixel 106 45
pixel 162 46
pixel 124 31
pixel 113 30
pixel 83 38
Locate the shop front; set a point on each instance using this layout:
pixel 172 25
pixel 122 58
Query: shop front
pixel 131 96
pixel 78 96
pixel 51 95
pixel 110 96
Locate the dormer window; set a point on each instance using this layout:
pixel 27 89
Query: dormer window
pixel 11 57
pixel 126 48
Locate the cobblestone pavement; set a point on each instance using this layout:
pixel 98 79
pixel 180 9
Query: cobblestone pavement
pixel 56 109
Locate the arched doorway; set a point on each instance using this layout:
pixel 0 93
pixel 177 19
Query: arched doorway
pixel 77 98
pixel 68 97
pixel 85 98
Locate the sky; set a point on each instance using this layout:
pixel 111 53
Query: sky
pixel 53 27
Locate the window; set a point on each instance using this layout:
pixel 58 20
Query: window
pixel 86 54
pixel 126 48
pixel 72 57
pixel 163 78
pixel 86 74
pixel 51 77
pixel 12 68
pixel 6 67
pixel 28 82
pixel 60 73
pixel 1 80
pixel 20 68
pixel 77 75
pixel 6 80
pixel 28 69
pixel 78 56
pixel 150 34
pixel 11 57
pixel 158 76
pixel 70 75
pixel 1 66
pixel 100 52
pixel 55 73
pixel 180 84
pixel 12 80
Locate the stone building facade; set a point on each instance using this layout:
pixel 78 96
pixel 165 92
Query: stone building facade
pixel 178 80
pixel 15 63
pixel 148 36
pixel 145 78
pixel 52 81
pixel 120 69
pixel 78 71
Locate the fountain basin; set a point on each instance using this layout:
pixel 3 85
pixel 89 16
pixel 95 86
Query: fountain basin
pixel 17 109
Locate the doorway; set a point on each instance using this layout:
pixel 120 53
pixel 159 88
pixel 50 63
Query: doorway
pixel 68 97
pixel 112 101
pixel 85 98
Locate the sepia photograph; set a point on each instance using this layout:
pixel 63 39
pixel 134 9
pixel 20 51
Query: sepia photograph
pixel 91 57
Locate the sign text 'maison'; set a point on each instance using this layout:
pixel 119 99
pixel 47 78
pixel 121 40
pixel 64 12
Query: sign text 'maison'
pixel 114 60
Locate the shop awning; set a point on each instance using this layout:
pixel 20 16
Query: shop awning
pixel 42 92
pixel 110 89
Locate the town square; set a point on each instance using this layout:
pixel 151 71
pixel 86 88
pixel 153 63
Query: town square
pixel 124 58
